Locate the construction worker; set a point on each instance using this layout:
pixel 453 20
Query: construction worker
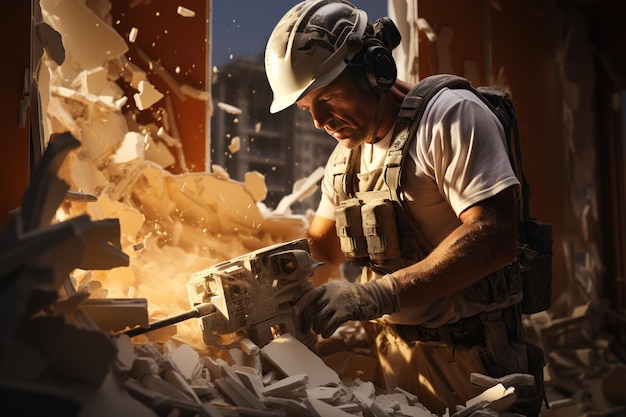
pixel 444 302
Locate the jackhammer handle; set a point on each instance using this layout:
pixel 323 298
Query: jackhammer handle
pixel 200 310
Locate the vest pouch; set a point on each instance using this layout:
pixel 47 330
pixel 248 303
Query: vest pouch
pixel 535 256
pixel 379 227
pixel 350 230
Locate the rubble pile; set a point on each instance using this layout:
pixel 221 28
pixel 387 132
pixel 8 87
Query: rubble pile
pixel 585 374
pixel 55 359
pixel 171 225
pixel 106 220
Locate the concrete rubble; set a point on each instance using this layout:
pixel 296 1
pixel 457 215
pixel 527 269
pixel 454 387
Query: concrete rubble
pixel 106 239
pixel 56 358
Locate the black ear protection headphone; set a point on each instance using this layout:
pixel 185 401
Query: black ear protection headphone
pixel 373 67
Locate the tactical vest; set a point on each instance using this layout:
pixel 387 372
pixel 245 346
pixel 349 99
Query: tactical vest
pixel 374 225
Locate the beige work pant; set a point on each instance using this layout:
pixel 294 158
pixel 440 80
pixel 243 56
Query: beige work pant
pixel 438 374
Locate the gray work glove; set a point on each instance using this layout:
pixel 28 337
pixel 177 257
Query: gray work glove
pixel 328 306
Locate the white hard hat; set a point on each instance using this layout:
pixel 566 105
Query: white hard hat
pixel 310 46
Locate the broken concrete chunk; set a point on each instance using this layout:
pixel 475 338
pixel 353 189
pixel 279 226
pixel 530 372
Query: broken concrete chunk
pixel 143 366
pixel 498 397
pixel 327 394
pixel 75 21
pixel 251 378
pixel 101 135
pixel 91 81
pixel 254 183
pixel 292 357
pixel 158 153
pixel 288 387
pixel 186 359
pixel 484 381
pixel 161 387
pixel 147 95
pixel 131 148
pixel 238 393
pixel 125 352
pixel 133 74
pixel 177 380
pixel 117 314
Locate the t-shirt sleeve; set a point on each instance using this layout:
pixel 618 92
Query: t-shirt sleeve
pixel 460 142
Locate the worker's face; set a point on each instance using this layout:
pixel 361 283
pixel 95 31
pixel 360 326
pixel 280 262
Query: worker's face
pixel 343 110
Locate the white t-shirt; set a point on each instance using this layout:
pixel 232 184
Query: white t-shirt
pixel 457 159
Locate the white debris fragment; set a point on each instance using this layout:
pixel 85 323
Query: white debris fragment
pixel 147 96
pixel 132 148
pixel 106 103
pixel 219 172
pixel 234 145
pixel 132 35
pixel 76 23
pixel 292 357
pixel 229 108
pixel 185 12
pixel 497 397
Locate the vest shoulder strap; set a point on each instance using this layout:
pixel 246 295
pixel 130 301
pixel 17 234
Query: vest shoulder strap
pixel 408 120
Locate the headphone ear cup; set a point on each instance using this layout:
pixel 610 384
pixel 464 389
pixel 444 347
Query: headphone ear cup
pixel 381 68
pixel 378 71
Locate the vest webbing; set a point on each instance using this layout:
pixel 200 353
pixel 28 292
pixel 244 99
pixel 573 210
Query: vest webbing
pixel 496 286
pixel 415 247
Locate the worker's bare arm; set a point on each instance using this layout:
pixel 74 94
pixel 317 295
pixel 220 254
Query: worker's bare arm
pixel 483 243
pixel 325 247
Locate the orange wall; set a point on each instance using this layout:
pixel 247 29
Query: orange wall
pixel 520 53
pixel 14 165
pixel 176 42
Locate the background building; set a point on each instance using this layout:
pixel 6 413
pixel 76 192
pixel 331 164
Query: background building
pixel 284 147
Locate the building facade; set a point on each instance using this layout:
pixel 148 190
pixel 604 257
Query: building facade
pixel 284 147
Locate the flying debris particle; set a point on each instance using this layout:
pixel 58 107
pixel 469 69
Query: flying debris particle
pixel 229 108
pixel 257 127
pixel 147 96
pixel 234 144
pixel 132 36
pixel 185 12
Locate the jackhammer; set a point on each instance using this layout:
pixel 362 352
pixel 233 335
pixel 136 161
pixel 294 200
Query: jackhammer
pixel 251 296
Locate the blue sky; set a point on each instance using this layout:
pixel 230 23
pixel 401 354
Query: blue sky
pixel 241 27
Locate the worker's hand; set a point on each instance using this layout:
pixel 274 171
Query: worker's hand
pixel 328 306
